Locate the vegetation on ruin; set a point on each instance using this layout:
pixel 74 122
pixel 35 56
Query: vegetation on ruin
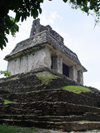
pixel 8 101
pixel 46 79
pixel 26 8
pixel 76 89
pixel 17 129
pixel 5 73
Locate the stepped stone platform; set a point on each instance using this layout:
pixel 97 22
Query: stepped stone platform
pixel 46 105
pixel 53 95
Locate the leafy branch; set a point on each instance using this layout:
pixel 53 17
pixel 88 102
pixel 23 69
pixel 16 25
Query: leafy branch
pixel 5 73
pixel 26 8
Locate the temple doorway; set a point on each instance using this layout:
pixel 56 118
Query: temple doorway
pixel 65 70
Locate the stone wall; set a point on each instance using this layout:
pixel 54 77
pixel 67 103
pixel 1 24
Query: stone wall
pixel 54 95
pixel 38 59
pixel 48 108
pixel 30 88
pixel 44 105
pixel 29 81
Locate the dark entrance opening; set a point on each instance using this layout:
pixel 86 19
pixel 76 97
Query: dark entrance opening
pixel 54 62
pixel 65 70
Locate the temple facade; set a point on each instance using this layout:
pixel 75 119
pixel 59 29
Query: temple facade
pixel 44 53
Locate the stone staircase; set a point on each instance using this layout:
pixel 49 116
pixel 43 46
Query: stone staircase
pixel 42 106
pixel 51 115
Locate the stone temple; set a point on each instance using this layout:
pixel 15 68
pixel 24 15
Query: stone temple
pixel 44 53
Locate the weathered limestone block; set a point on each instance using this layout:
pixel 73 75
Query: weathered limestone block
pixel 40 59
pixel 23 64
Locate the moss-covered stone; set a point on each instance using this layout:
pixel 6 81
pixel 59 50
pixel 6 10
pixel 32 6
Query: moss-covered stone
pixel 46 79
pixel 76 89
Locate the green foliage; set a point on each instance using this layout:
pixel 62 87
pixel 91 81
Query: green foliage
pixel 5 73
pixel 7 101
pixel 76 89
pixel 7 25
pixel 46 79
pixel 17 129
pixel 22 10
pixel 26 8
pixel 87 6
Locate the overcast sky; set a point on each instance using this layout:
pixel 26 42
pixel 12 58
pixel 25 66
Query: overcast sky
pixel 77 30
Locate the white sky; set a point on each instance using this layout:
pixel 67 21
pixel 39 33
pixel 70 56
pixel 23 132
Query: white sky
pixel 79 35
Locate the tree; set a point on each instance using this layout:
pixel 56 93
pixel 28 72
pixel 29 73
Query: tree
pixel 26 8
pixel 22 10
pixel 87 6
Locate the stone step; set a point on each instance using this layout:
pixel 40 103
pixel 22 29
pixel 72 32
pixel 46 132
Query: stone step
pixel 65 126
pixel 52 95
pixel 86 117
pixel 30 80
pixel 21 89
pixel 47 108
pixel 19 82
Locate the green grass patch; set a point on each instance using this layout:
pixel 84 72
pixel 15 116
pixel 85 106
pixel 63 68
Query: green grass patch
pixel 16 129
pixel 46 79
pixel 76 89
pixel 7 101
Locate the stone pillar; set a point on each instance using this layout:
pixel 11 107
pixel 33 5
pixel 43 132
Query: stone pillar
pixel 73 73
pixel 59 64
pixel 56 63
pixel 80 77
